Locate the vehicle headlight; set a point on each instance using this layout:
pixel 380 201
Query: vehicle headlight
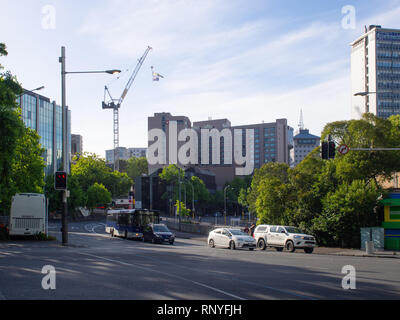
pixel 298 237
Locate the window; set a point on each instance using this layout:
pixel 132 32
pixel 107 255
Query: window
pixel 272 229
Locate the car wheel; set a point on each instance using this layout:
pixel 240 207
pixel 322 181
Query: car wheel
pixel 308 250
pixel 232 245
pixel 261 244
pixel 251 249
pixel 290 246
pixel 211 243
pixel 171 243
pixel 279 249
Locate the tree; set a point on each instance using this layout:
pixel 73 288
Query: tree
pixel 90 168
pixel 11 130
pixel 345 211
pixel 135 167
pixel 28 166
pixel 181 209
pixel 98 195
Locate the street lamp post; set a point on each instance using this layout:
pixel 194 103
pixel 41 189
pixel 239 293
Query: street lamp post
pixel 64 135
pixel 226 188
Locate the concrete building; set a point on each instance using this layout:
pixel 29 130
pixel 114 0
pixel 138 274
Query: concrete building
pixel 45 117
pixel 76 144
pixel 272 143
pixel 125 154
pixel 304 143
pixel 375 68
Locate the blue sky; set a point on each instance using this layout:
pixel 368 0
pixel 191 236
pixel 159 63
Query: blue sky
pixel 248 61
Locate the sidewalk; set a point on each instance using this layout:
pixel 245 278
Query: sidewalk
pixel 317 250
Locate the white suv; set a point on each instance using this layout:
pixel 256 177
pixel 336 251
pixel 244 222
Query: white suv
pixel 281 237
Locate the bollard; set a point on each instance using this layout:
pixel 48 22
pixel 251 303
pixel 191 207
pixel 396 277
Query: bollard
pixel 369 247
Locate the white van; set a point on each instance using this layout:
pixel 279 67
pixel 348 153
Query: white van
pixel 28 214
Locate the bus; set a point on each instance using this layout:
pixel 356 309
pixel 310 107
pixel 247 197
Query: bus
pixel 28 214
pixel 130 224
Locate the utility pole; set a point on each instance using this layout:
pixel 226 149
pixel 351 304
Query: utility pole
pixel 64 219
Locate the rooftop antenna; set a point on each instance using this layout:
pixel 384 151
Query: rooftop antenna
pixel 301 123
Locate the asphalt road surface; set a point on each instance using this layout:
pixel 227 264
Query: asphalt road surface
pixel 96 266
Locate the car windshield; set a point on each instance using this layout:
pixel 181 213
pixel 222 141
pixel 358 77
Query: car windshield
pixel 237 232
pixel 160 228
pixel 293 230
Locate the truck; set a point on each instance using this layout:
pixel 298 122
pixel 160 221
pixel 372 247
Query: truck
pixel 29 215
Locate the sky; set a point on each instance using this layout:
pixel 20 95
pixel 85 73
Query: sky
pixel 248 61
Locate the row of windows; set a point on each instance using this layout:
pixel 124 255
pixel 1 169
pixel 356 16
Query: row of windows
pixel 392 36
pixel 388 64
pixel 388 85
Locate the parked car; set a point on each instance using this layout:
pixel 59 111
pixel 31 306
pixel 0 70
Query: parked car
pixel 158 233
pixel 230 238
pixel 283 237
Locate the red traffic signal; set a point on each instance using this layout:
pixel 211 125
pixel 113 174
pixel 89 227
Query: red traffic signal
pixel 60 182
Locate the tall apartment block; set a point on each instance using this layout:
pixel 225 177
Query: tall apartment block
pixel 272 142
pixel 45 117
pixel 375 69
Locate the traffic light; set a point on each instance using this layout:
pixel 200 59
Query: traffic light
pixel 332 150
pixel 325 150
pixel 60 182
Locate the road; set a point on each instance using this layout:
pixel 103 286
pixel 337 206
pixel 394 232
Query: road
pixel 96 266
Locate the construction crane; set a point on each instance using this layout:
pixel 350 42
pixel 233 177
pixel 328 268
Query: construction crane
pixel 115 104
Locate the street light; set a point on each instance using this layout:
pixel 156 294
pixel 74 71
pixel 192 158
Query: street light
pixel 64 136
pixel 37 89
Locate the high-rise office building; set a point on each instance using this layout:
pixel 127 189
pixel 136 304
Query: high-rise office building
pixel 272 143
pixel 76 144
pixel 375 69
pixel 45 117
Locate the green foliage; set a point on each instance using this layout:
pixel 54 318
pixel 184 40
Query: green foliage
pixel 28 166
pixel 135 167
pixel 90 168
pixel 181 209
pixel 331 199
pixel 345 211
pixel 171 174
pixel 21 165
pixel 98 195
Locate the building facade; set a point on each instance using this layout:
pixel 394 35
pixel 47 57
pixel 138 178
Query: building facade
pixel 304 143
pixel 272 143
pixel 45 117
pixel 76 145
pixel 125 154
pixel 375 68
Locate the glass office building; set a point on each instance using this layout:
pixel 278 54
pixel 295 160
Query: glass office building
pixel 45 117
pixel 375 68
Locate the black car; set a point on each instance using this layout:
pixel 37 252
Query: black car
pixel 158 233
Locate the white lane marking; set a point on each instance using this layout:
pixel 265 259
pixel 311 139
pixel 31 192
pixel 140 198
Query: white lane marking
pixel 167 274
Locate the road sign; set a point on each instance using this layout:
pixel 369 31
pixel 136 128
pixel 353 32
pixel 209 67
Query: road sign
pixel 343 149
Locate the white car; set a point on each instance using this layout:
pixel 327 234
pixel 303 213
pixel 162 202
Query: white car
pixel 281 237
pixel 231 238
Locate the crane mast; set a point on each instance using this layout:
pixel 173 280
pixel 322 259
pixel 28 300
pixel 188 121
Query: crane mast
pixel 115 104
